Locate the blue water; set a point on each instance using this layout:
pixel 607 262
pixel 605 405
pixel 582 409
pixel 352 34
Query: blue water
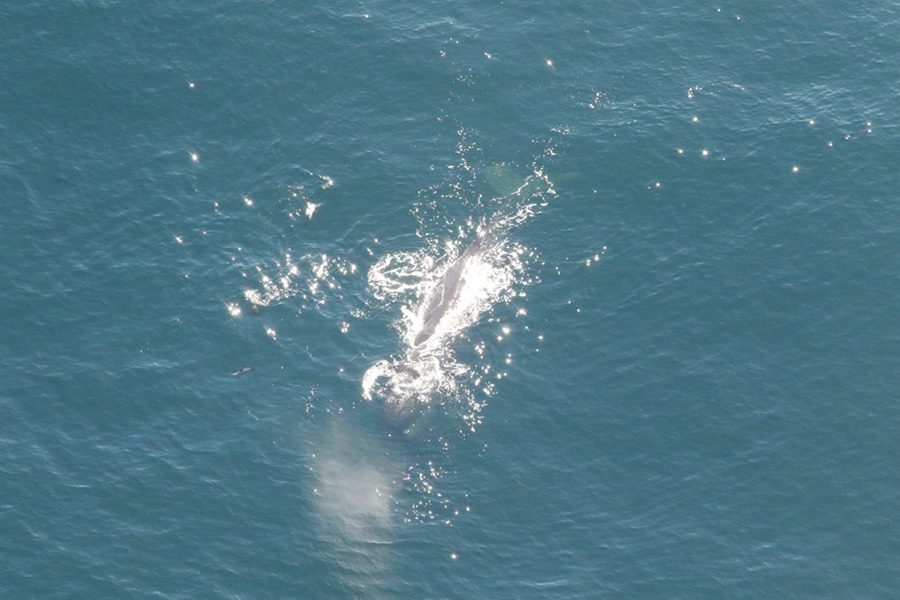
pixel 687 389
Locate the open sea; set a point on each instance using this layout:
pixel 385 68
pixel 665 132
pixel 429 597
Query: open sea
pixel 419 299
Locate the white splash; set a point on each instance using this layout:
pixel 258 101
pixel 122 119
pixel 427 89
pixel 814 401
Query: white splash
pixel 326 181
pixel 430 371
pixel 478 276
pixel 311 277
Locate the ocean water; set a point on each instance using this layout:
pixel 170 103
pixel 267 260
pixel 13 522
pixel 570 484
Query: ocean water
pixel 658 240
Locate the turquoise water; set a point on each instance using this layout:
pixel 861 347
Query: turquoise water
pixel 676 375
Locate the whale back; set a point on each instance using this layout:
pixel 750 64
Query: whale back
pixel 445 292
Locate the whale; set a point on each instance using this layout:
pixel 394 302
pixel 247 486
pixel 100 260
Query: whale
pixel 442 297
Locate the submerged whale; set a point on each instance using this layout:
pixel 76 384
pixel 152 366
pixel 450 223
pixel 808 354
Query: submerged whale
pixel 444 294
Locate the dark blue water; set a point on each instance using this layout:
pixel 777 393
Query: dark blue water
pixel 686 386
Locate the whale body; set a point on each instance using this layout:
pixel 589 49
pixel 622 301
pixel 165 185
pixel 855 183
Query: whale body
pixel 444 294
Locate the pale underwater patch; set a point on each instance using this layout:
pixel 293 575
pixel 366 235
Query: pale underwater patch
pixel 354 489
